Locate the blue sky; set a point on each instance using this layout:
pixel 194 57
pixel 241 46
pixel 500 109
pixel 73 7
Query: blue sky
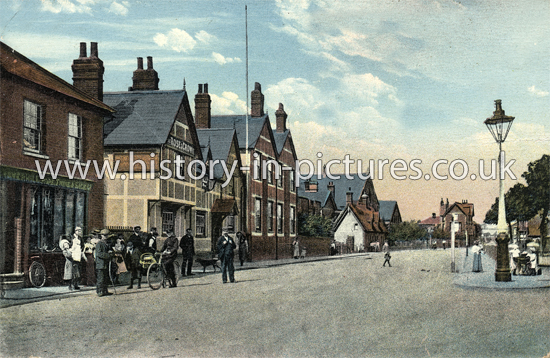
pixel 372 79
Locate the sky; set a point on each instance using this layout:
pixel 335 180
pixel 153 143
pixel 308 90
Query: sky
pixel 376 80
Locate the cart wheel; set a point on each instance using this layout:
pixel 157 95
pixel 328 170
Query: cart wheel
pixel 37 274
pixel 155 276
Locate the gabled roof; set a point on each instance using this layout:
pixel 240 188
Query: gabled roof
pixel 238 123
pixel 280 139
pixel 15 63
pixel 466 208
pixel 219 141
pixel 341 187
pixel 387 208
pixel 369 219
pixel 142 117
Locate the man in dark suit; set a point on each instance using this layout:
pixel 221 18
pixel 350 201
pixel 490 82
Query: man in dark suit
pixel 226 247
pixel 187 245
pixel 136 238
pixel 169 254
pixel 102 258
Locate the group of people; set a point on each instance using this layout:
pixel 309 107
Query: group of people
pixel 113 252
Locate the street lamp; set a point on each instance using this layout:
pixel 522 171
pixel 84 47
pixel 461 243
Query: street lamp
pixel 499 126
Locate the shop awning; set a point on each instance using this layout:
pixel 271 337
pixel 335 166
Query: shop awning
pixel 224 206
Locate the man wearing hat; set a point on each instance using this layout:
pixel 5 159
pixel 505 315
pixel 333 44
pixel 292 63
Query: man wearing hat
pixel 102 258
pixel 169 254
pixel 187 244
pixel 152 241
pixel 136 238
pixel 226 247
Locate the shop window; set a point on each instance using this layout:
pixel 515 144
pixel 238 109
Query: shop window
pixel 75 137
pixel 32 131
pixel 258 214
pixel 53 213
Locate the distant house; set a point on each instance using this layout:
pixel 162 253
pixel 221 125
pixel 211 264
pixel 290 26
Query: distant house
pixel 312 201
pixel 389 212
pixel 431 223
pixel 463 214
pixel 359 227
pixel 317 190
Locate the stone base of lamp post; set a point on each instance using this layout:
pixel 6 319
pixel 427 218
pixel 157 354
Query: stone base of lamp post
pixel 502 273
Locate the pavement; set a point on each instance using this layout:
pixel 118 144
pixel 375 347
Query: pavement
pixel 34 294
pixel 486 279
pixel 464 278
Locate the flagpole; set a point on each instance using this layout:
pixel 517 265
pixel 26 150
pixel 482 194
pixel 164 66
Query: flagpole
pixel 246 31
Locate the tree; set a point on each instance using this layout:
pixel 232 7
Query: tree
pixel 525 202
pixel 406 231
pixel 537 177
pixel 518 207
pixel 439 233
pixel 314 225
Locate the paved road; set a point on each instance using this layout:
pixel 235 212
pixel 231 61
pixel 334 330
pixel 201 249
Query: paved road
pixel 338 308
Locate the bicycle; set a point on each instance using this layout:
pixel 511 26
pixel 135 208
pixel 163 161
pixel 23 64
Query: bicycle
pixel 37 269
pixel 156 273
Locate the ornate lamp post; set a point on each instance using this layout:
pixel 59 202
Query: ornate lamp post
pixel 499 126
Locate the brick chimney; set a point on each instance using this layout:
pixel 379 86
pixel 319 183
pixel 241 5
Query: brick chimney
pixel 203 115
pixel 145 80
pixel 331 188
pixel 257 101
pixel 281 116
pixel 88 72
pixel 349 196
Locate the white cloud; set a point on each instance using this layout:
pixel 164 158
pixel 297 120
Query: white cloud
pixel 178 40
pixel 119 9
pixel 204 37
pixel 227 103
pixel 219 58
pixel 537 92
pixel 369 87
pixel 65 6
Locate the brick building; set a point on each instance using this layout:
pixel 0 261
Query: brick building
pixel 462 213
pixel 44 118
pixel 271 202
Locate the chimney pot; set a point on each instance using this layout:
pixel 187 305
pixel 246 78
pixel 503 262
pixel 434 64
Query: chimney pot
pixel 140 63
pixel 83 50
pixel 88 72
pixel 93 50
pixel 281 116
pixel 257 101
pixel 200 88
pixel 149 62
pixel 206 88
